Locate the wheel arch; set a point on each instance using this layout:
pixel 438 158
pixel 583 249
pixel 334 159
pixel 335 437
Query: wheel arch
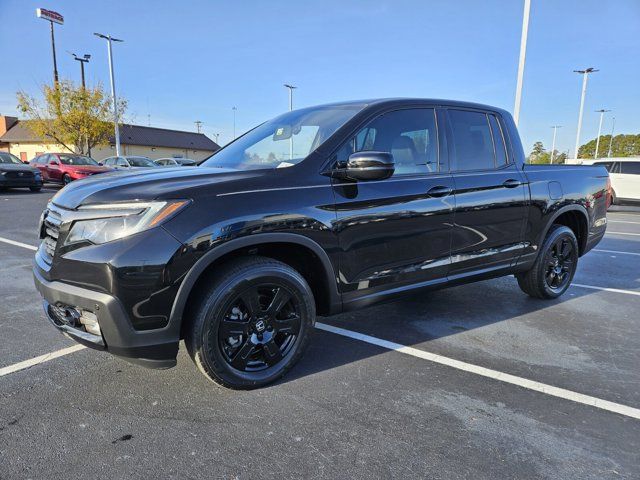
pixel 324 286
pixel 576 218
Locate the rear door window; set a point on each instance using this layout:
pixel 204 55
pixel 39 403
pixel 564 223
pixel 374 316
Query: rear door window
pixel 632 168
pixel 471 141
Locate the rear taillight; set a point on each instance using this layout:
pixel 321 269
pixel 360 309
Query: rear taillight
pixel 609 193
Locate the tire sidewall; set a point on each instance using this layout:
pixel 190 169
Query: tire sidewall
pixel 217 305
pixel 553 237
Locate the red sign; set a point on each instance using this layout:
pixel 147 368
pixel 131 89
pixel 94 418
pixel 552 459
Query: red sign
pixel 50 15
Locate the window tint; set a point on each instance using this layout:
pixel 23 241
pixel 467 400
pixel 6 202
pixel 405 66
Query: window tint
pixel 472 145
pixel 632 168
pixel 410 135
pixel 498 141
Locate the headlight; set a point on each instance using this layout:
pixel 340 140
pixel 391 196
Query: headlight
pixel 103 223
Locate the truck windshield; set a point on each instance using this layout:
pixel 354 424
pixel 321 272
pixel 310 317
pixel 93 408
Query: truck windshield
pixel 285 140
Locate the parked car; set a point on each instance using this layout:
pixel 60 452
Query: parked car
pixel 66 167
pixel 14 173
pixel 129 161
pixel 625 179
pixel 175 162
pixel 318 211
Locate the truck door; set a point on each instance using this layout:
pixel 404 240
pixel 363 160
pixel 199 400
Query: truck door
pixel 490 190
pixel 395 232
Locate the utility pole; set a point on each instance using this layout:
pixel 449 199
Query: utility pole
pixel 109 40
pixel 234 121
pixel 602 111
pixel 291 88
pixel 553 144
pixel 613 125
pixel 585 75
pixel 52 17
pixel 523 54
pixel 84 59
pixel 198 125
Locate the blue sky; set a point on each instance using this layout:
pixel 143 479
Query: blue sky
pixel 195 60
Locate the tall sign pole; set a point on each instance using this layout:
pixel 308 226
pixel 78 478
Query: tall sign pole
pixel 523 54
pixel 602 111
pixel 52 17
pixel 585 75
pixel 553 144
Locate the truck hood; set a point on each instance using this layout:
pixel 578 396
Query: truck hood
pixel 145 184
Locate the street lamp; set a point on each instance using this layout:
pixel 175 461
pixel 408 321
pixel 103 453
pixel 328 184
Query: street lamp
pixel 585 75
pixel 109 40
pixel 234 121
pixel 601 112
pixel 523 53
pixel 553 144
pixel 613 125
pixel 51 17
pixel 291 88
pixel 84 59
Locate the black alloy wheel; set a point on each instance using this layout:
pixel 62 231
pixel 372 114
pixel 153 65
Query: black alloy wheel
pixel 560 264
pixel 259 328
pixel 553 270
pixel 253 323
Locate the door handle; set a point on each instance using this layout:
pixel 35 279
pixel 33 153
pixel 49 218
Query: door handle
pixel 439 191
pixel 512 183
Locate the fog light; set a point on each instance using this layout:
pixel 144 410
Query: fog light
pixel 90 322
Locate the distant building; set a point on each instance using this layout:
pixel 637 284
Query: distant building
pixel 150 142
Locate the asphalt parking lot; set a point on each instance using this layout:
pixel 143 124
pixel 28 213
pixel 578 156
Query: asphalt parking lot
pixel 483 406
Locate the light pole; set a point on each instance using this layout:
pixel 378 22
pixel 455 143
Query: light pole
pixel 585 75
pixel 216 135
pixel 553 144
pixel 613 125
pixel 84 59
pixel 602 111
pixel 109 40
pixel 234 121
pixel 51 17
pixel 291 88
pixel 523 53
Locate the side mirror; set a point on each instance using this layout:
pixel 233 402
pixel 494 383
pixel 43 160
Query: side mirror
pixel 369 166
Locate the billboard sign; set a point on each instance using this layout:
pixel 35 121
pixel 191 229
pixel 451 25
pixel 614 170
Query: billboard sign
pixel 50 15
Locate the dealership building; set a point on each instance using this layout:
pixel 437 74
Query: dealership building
pixel 17 138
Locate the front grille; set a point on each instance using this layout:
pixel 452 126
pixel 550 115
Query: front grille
pixel 19 175
pixel 50 232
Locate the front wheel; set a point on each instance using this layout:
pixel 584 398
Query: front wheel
pixel 253 324
pixel 555 266
pixel 66 179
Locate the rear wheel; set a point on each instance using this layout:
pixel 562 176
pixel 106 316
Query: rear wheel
pixel 253 324
pixel 555 266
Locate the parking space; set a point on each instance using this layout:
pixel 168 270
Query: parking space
pixel 350 409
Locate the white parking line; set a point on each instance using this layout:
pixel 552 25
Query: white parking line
pixel 16 367
pixel 486 372
pixel 623 233
pixel 617 252
pixel 623 221
pixel 18 244
pixel 605 289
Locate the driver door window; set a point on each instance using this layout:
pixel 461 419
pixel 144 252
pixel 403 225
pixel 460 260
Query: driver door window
pixel 122 162
pixel 410 135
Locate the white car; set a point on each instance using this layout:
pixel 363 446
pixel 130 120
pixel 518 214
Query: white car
pixel 625 178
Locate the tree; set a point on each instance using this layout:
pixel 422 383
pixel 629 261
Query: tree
pixel 77 118
pixel 622 146
pixel 539 155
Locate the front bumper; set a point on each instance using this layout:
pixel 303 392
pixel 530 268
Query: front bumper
pixel 153 348
pixel 20 182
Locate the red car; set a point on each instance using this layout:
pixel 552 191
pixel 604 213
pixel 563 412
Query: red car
pixel 66 167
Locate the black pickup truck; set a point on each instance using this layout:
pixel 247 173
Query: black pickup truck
pixel 318 211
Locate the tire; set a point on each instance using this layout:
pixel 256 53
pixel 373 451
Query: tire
pixel 555 266
pixel 66 179
pixel 225 337
pixel 35 189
